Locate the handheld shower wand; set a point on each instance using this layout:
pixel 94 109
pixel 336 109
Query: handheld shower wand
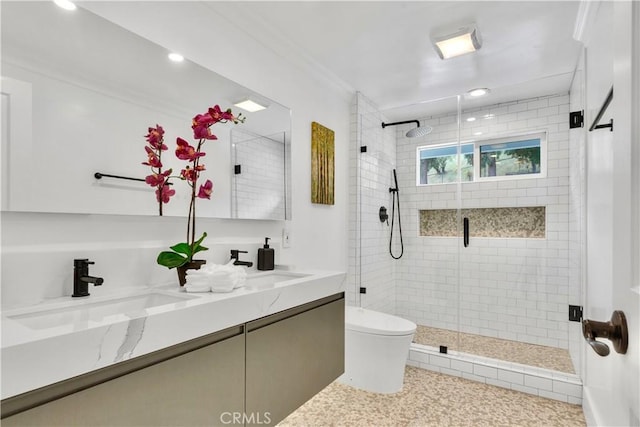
pixel 396 200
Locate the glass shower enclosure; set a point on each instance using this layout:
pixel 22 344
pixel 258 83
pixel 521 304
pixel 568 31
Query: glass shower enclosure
pixel 490 208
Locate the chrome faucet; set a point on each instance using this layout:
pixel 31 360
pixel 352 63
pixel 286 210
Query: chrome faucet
pixel 235 255
pixel 81 278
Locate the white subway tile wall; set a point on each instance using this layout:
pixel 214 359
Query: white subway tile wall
pixel 515 289
pixel 258 191
pixel 370 265
pixel 509 288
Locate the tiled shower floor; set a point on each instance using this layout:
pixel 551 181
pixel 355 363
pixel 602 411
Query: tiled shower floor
pixel 432 399
pixel 512 351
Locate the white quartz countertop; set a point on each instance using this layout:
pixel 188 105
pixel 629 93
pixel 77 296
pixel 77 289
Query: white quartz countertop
pixel 36 356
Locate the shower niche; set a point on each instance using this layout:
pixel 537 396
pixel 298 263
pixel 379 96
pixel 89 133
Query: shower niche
pixel 499 289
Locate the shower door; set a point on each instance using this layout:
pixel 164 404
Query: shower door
pixel 518 276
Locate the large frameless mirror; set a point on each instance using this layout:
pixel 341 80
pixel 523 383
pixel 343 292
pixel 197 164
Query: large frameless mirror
pixel 78 96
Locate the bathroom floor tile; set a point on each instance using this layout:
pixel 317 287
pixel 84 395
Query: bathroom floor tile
pixel 432 399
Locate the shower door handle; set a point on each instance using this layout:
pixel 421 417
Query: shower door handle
pixel 465 222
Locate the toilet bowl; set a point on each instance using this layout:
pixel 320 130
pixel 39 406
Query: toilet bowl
pixel 376 350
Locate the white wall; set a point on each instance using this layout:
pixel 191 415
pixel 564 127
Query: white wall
pixel 37 249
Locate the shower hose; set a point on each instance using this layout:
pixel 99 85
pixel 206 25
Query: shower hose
pixel 395 200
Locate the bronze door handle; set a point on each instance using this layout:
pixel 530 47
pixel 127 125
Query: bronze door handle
pixel 615 330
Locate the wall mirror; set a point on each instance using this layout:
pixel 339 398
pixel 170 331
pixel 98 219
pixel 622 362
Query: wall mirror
pixel 78 95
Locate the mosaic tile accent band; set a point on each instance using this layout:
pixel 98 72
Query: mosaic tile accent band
pixel 521 222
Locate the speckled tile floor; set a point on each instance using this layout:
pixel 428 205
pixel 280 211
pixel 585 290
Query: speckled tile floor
pixel 540 356
pixel 432 399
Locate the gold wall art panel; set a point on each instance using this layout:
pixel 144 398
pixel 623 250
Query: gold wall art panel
pixel 322 164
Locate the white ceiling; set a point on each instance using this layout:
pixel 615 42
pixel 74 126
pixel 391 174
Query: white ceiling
pixel 383 48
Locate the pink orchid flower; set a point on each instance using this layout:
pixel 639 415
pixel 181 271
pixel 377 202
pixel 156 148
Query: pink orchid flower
pixel 205 190
pixel 202 132
pixel 153 159
pixel 218 115
pixel 164 193
pixel 156 180
pixel 184 151
pixel 190 174
pixel 155 134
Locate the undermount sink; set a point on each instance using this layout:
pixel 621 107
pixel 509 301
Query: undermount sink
pixel 84 313
pixel 269 279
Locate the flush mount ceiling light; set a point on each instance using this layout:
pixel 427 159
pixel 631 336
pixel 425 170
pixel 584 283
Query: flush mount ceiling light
pixel 176 57
pixel 465 40
pixel 250 106
pixel 481 91
pixel 65 4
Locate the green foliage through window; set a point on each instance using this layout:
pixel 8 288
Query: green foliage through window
pixel 438 164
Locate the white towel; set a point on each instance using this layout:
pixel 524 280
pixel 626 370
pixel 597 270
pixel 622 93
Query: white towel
pixel 216 278
pixel 222 281
pixel 197 288
pixel 197 282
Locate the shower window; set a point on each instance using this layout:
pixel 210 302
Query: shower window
pixel 503 158
pixel 438 164
pixel 508 157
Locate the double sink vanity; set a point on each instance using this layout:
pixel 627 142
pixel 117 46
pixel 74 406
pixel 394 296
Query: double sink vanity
pixel 161 356
pixel 152 355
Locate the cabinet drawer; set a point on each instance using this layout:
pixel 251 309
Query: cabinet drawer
pixel 291 359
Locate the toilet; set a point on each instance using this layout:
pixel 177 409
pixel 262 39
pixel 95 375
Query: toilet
pixel 376 350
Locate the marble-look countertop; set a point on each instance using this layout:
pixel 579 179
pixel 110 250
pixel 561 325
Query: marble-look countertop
pixel 33 358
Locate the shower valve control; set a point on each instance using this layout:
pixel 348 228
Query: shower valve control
pixel 384 216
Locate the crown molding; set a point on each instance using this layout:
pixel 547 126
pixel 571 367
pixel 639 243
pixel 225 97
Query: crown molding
pixel 585 18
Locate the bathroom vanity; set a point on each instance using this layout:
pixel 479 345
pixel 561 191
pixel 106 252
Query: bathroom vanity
pixel 249 357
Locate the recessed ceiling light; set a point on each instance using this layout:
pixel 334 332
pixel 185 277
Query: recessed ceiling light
pixel 471 119
pixel 65 4
pixel 250 106
pixel 477 133
pixel 481 91
pixel 465 40
pixel 176 57
pixel 489 116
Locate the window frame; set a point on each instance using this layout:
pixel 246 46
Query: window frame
pixel 477 143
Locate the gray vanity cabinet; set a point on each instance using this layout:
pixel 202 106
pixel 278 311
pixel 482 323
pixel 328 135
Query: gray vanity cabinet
pixel 291 356
pixel 192 389
pixel 256 373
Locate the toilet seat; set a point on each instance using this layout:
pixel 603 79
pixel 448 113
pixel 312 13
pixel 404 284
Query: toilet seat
pixel 373 322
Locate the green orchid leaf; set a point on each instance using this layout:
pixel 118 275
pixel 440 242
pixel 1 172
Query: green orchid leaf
pixel 199 249
pixel 197 242
pixel 182 248
pixel 196 245
pixel 171 259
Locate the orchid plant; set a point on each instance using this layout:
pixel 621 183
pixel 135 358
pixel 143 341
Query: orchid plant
pixel 182 253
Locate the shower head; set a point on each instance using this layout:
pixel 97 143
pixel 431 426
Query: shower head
pixel 419 131
pixel 415 132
